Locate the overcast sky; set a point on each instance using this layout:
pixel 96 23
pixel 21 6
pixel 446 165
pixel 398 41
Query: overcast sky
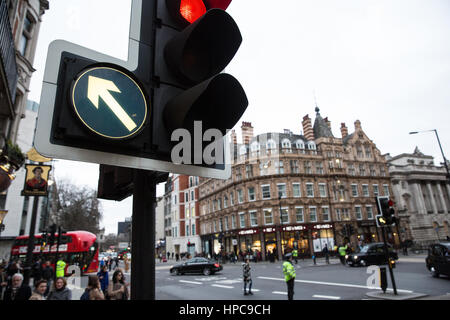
pixel 383 62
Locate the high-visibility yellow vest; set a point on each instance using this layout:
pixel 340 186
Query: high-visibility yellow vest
pixel 294 253
pixel 60 266
pixel 288 270
pixel 343 250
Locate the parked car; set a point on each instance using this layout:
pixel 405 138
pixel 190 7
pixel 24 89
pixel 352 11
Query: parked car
pixel 372 253
pixel 438 259
pixel 197 265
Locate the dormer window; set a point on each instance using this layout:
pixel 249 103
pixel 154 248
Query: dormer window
pixel 271 145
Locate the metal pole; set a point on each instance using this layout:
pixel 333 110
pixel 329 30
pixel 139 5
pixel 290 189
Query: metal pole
pixel 143 236
pixel 57 251
pixel 386 252
pixel 442 152
pixel 29 258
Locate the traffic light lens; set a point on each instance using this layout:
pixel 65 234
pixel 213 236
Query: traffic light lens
pixel 191 10
pixel 391 203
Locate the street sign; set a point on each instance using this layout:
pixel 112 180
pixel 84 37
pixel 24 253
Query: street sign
pixel 109 102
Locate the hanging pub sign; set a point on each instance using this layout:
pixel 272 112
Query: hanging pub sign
pixel 36 180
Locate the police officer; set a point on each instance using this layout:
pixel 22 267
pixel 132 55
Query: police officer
pixel 295 255
pixel 60 267
pixel 342 252
pixel 289 275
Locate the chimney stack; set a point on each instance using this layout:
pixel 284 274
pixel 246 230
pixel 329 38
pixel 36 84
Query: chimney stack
pixel 247 132
pixel 233 137
pixel 344 130
pixel 328 122
pixel 307 128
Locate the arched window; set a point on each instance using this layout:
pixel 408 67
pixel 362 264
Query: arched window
pixel 254 147
pixel 311 145
pixel 299 144
pixel 271 144
pixel 286 144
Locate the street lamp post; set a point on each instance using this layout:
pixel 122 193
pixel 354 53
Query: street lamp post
pixel 3 214
pixel 440 146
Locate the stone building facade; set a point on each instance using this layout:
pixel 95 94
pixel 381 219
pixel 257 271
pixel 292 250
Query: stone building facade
pixel 291 190
pixel 422 191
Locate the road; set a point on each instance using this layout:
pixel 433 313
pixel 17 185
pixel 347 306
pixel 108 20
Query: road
pixel 313 282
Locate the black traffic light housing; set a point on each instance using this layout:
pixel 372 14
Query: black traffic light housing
pixel 386 211
pixel 52 236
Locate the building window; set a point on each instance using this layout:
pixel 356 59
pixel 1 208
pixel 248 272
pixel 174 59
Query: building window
pixel 310 190
pixel 186 197
pixel 240 196
pixel 358 213
pixel 193 212
pixel 345 215
pixel 226 223
pixel 187 230
pixel 386 190
pixel 362 170
pixel 354 190
pixel 225 202
pixel 299 217
pixel 27 35
pixel 220 224
pixel 383 171
pixel 368 152
pixel 376 191
pixel 338 214
pixel 253 218
pixel 215 226
pixel 296 190
pixel 284 215
pixel 232 199
pixel 281 190
pixel 312 214
pixel 307 166
pixel 193 229
pixel 372 170
pixel 192 195
pixel 322 190
pixel 294 166
pixel 351 169
pixel 238 174
pixel 325 214
pixel 186 213
pixel 251 194
pixel 359 152
pixel 279 167
pixel 369 212
pixel 365 190
pixel 249 171
pixel 242 219
pixel 319 167
pixel 219 204
pixel 265 191
pixel 233 222
pixel 268 217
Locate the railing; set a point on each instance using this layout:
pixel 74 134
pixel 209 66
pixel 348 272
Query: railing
pixel 7 51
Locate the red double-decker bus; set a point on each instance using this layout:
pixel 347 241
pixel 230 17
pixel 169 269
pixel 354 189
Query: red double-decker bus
pixel 78 248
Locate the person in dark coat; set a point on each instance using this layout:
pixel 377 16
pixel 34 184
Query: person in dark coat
pixel 60 291
pixel 18 291
pixel 103 277
pixel 326 253
pixel 47 274
pixel 37 271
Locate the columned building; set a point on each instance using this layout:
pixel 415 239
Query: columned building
pixel 422 191
pixel 292 190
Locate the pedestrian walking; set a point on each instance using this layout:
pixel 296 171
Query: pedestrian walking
pixel 109 263
pixel 60 268
pixel 60 291
pixel 36 271
pixel 118 288
pixel 40 288
pixel 177 256
pixel 93 290
pixel 116 260
pixel 103 277
pixel 168 255
pixel 17 291
pixel 48 274
pixel 326 253
pixel 247 276
pixel 289 275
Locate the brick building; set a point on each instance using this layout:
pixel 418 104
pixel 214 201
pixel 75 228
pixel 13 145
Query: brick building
pixel 292 190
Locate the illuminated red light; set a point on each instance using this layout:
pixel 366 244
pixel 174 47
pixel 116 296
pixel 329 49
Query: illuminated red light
pixel 216 265
pixel 191 10
pixel 390 203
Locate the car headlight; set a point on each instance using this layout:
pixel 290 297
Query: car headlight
pixel 346 256
pixel 355 257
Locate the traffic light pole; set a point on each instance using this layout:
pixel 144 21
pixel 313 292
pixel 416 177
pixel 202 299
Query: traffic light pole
pixel 386 252
pixel 29 259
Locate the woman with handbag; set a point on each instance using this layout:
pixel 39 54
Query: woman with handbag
pixel 117 289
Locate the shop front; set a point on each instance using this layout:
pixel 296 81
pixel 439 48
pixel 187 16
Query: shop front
pixel 295 237
pixel 249 241
pixel 367 232
pixel 322 236
pixel 270 243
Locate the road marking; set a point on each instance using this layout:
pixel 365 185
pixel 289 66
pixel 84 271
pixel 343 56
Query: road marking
pixel 326 297
pixel 335 284
pixel 193 282
pixel 221 286
pixel 279 292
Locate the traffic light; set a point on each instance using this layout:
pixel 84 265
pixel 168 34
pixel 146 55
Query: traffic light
pixel 386 211
pixel 95 108
pixel 52 236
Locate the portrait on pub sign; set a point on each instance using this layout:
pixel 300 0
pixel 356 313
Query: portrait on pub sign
pixel 36 180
